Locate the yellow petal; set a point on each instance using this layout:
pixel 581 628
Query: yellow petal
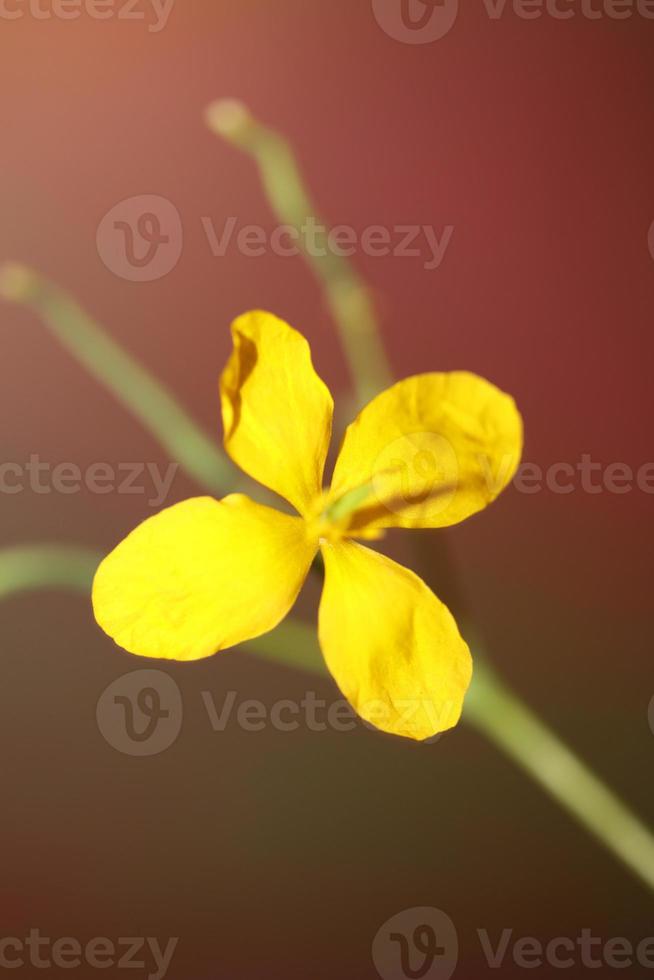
pixel 277 413
pixel 201 576
pixel 435 449
pixel 392 647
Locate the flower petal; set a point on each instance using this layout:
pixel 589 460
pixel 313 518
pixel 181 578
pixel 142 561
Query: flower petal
pixel 277 413
pixel 392 647
pixel 435 449
pixel 201 576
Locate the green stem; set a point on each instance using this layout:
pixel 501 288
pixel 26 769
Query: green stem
pixel 293 644
pixel 24 569
pixel 491 708
pixel 496 711
pixel 33 567
pixel 348 297
pixel 118 371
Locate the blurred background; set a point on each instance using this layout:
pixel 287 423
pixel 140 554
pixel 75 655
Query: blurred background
pixel 285 852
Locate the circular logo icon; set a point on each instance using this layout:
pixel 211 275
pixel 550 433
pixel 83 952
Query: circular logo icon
pixel 417 944
pixel 416 475
pixel 140 713
pixel 141 238
pixel 416 21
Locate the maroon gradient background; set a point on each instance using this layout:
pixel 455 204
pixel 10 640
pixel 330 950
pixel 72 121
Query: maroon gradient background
pixel 282 854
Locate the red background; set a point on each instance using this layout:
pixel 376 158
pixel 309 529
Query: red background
pixel 285 853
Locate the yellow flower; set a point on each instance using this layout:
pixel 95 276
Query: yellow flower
pixel 207 574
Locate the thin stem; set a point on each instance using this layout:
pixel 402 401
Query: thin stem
pixel 292 644
pixel 496 711
pixel 24 569
pixel 491 708
pixel 347 295
pixel 33 567
pixel 118 371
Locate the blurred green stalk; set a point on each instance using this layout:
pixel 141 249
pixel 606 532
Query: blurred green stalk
pixel 496 711
pixel 133 385
pixel 347 295
pixel 23 569
pixel 491 708
pixel 56 566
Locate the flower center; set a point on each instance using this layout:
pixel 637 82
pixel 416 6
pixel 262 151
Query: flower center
pixel 331 517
